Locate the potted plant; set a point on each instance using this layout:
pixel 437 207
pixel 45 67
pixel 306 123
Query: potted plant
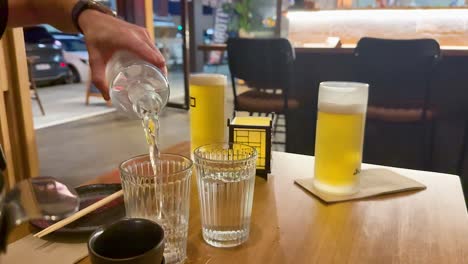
pixel 242 17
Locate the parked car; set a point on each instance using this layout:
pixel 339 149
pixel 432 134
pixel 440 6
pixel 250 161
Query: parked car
pixel 76 55
pixel 48 62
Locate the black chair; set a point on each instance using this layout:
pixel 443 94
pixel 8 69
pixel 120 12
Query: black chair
pixel 266 67
pixel 400 115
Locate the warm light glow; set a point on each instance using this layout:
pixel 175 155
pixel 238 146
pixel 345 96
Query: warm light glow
pixel 448 26
pixel 409 14
pixel 63 64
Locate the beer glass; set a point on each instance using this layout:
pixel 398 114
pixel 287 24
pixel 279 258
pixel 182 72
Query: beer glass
pixel 339 136
pixel 207 121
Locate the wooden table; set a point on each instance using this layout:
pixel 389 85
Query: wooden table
pixel 291 226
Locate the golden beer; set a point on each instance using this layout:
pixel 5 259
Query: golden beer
pixel 207 123
pixel 338 145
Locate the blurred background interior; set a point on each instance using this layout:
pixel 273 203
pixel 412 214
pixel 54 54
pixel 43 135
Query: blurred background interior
pixel 418 113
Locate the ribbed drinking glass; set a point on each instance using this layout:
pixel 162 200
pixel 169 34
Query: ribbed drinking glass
pixel 226 179
pixel 162 196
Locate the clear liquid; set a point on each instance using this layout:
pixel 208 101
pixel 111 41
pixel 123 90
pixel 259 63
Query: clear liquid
pixel 150 123
pixel 149 197
pixel 226 209
pixel 175 235
pixel 158 204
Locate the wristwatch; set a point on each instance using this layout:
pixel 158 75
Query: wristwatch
pixel 83 5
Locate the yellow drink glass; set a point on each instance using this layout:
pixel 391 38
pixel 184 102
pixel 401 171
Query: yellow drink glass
pixel 207 123
pixel 339 139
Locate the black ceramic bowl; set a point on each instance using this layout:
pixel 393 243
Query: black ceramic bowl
pixel 127 241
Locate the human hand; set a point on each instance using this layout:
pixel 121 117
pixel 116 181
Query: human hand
pixel 105 35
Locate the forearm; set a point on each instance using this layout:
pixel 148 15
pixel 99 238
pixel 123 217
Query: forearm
pixel 31 12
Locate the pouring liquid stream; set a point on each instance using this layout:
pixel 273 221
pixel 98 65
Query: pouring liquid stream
pixel 150 123
pixel 147 104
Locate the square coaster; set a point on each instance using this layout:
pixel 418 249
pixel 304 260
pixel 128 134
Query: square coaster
pixel 373 182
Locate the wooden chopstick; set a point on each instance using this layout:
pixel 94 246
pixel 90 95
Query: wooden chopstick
pixel 79 214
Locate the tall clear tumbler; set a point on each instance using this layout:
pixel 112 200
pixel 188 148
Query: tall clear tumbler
pixel 339 139
pixel 161 194
pixel 226 179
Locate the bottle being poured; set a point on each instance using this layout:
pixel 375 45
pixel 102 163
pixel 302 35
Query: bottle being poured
pixel 139 90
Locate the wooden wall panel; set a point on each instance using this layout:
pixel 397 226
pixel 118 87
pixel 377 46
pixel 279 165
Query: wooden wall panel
pixel 17 134
pixel 4 134
pixel 149 24
pixel 4 78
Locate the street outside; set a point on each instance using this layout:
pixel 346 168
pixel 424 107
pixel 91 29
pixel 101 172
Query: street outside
pixel 66 103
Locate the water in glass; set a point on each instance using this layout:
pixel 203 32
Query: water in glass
pixel 163 197
pixel 226 179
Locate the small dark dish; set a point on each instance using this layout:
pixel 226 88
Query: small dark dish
pixel 90 194
pixel 127 241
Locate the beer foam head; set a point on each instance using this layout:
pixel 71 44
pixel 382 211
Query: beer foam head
pixel 207 79
pixel 343 97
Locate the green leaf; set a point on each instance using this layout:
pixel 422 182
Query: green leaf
pixel 240 9
pixel 227 7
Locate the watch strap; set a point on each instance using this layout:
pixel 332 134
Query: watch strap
pixel 83 5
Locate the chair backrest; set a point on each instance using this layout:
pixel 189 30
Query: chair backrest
pixel 398 71
pixel 261 63
pixel 32 84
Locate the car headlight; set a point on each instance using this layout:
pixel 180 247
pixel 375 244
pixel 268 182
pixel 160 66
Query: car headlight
pixel 84 61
